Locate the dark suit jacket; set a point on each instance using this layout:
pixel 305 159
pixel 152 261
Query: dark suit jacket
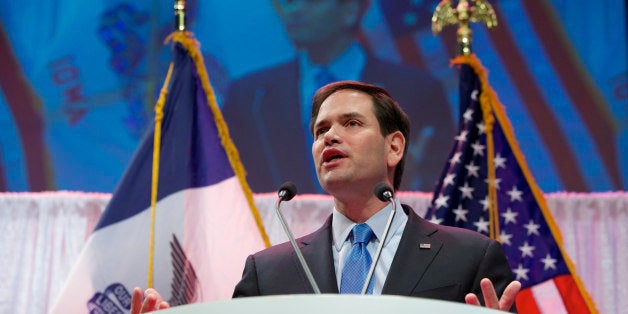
pixel 452 267
pixel 263 114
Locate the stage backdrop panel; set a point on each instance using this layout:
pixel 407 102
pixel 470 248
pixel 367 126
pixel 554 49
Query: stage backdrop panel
pixel 43 234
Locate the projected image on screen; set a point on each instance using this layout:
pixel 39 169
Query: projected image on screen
pixel 77 96
pixel 269 110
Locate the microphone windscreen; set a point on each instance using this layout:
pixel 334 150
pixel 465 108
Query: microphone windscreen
pixel 287 191
pixel 383 191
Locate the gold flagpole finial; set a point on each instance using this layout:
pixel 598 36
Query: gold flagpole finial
pixel 463 14
pixel 179 15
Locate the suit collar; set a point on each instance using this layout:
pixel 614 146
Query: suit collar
pixel 416 251
pixel 317 253
pixel 408 266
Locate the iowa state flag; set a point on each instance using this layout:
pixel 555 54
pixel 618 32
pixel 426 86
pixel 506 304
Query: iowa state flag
pixel 205 219
pixel 486 186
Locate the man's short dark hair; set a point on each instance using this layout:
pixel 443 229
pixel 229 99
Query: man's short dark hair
pixel 390 116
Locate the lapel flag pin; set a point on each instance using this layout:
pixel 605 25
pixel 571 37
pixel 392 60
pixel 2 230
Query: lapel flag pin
pixel 424 245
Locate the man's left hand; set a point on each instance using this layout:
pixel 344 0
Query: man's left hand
pixel 490 296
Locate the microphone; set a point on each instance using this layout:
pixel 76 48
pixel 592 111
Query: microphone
pixel 286 192
pixel 384 193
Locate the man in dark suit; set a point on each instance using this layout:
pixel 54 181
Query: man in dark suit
pixel 450 268
pixel 359 141
pixel 268 111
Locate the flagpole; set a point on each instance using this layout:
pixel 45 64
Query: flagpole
pixel 462 15
pixel 179 13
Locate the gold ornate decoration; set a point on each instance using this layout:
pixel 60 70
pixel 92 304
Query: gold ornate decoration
pixel 463 14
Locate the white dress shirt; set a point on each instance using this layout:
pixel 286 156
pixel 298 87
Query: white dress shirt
pixel 341 227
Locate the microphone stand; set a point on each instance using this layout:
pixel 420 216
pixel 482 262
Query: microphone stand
pixel 308 273
pixel 388 195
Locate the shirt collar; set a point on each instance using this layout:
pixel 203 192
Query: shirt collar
pixel 341 225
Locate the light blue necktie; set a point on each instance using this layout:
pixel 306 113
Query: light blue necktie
pixel 358 262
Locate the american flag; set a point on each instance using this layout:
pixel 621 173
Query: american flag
pixel 486 186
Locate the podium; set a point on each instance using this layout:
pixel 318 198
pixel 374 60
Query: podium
pixel 329 303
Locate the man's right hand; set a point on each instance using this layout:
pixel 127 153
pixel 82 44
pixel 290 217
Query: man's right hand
pixel 152 301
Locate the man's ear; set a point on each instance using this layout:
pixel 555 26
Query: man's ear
pixel 396 147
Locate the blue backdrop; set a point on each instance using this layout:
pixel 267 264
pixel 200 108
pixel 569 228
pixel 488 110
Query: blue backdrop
pixel 78 81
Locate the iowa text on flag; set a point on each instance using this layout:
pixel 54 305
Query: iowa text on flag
pixel 486 186
pixel 205 220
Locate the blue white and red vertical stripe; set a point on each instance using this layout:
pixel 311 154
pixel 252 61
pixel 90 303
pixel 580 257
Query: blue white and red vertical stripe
pixel 521 219
pixel 205 223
